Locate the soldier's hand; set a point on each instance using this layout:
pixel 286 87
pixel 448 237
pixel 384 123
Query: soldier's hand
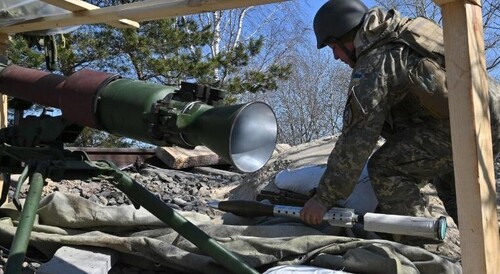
pixel 313 212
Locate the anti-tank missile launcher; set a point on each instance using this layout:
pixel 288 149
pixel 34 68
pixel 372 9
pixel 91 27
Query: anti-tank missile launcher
pixel 244 135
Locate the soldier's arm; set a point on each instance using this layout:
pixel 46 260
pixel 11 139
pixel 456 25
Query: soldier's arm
pixel 370 99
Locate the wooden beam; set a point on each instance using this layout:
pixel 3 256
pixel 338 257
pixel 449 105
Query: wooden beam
pixel 77 5
pixel 4 45
pixel 471 136
pixel 138 11
pixel 442 2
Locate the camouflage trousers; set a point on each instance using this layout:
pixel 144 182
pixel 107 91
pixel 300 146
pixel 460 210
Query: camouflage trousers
pixel 401 168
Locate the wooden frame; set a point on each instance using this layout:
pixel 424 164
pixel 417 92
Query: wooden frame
pixel 77 5
pixel 4 44
pixel 471 135
pixel 139 11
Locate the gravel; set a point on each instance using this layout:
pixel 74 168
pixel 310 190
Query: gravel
pixel 181 190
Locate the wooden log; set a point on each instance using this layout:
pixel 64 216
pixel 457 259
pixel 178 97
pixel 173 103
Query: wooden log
pixel 471 136
pixel 179 158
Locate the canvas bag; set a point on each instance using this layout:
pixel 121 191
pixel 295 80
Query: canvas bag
pixel 428 77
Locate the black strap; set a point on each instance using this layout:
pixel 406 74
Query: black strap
pixel 349 53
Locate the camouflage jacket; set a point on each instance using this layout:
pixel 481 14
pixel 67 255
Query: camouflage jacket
pixel 380 100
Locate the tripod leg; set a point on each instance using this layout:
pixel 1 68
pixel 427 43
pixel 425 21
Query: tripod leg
pixel 25 226
pixel 180 224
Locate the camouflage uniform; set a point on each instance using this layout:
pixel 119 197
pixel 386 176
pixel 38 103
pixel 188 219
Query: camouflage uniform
pixel 381 103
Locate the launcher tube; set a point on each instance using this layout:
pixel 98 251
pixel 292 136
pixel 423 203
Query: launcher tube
pixel 74 95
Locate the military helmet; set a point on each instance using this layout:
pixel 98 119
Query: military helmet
pixel 336 18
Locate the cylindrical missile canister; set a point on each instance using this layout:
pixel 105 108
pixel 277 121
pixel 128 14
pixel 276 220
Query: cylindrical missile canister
pixel 406 225
pixel 123 107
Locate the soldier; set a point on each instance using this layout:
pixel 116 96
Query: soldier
pixel 397 91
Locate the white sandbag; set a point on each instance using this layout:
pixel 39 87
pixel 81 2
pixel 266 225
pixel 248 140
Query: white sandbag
pixel 303 180
pixel 300 180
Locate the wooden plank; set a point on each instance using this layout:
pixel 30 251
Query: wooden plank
pixel 442 2
pixel 4 45
pixel 471 137
pixel 77 5
pixel 138 11
pixel 179 158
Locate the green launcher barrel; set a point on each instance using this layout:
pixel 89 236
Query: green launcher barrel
pixel 244 135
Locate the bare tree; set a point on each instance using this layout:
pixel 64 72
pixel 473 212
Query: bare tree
pixel 309 105
pixel 268 23
pixel 491 23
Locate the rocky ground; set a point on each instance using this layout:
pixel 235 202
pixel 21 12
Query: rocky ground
pixel 182 190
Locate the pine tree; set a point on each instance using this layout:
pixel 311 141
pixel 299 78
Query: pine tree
pixel 164 51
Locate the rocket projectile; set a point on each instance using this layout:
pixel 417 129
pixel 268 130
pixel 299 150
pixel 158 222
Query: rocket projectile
pixel 244 208
pixel 386 223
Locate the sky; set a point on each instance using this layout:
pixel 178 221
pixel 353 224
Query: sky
pixel 312 6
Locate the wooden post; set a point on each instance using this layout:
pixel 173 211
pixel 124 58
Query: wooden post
pixel 4 44
pixel 471 135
